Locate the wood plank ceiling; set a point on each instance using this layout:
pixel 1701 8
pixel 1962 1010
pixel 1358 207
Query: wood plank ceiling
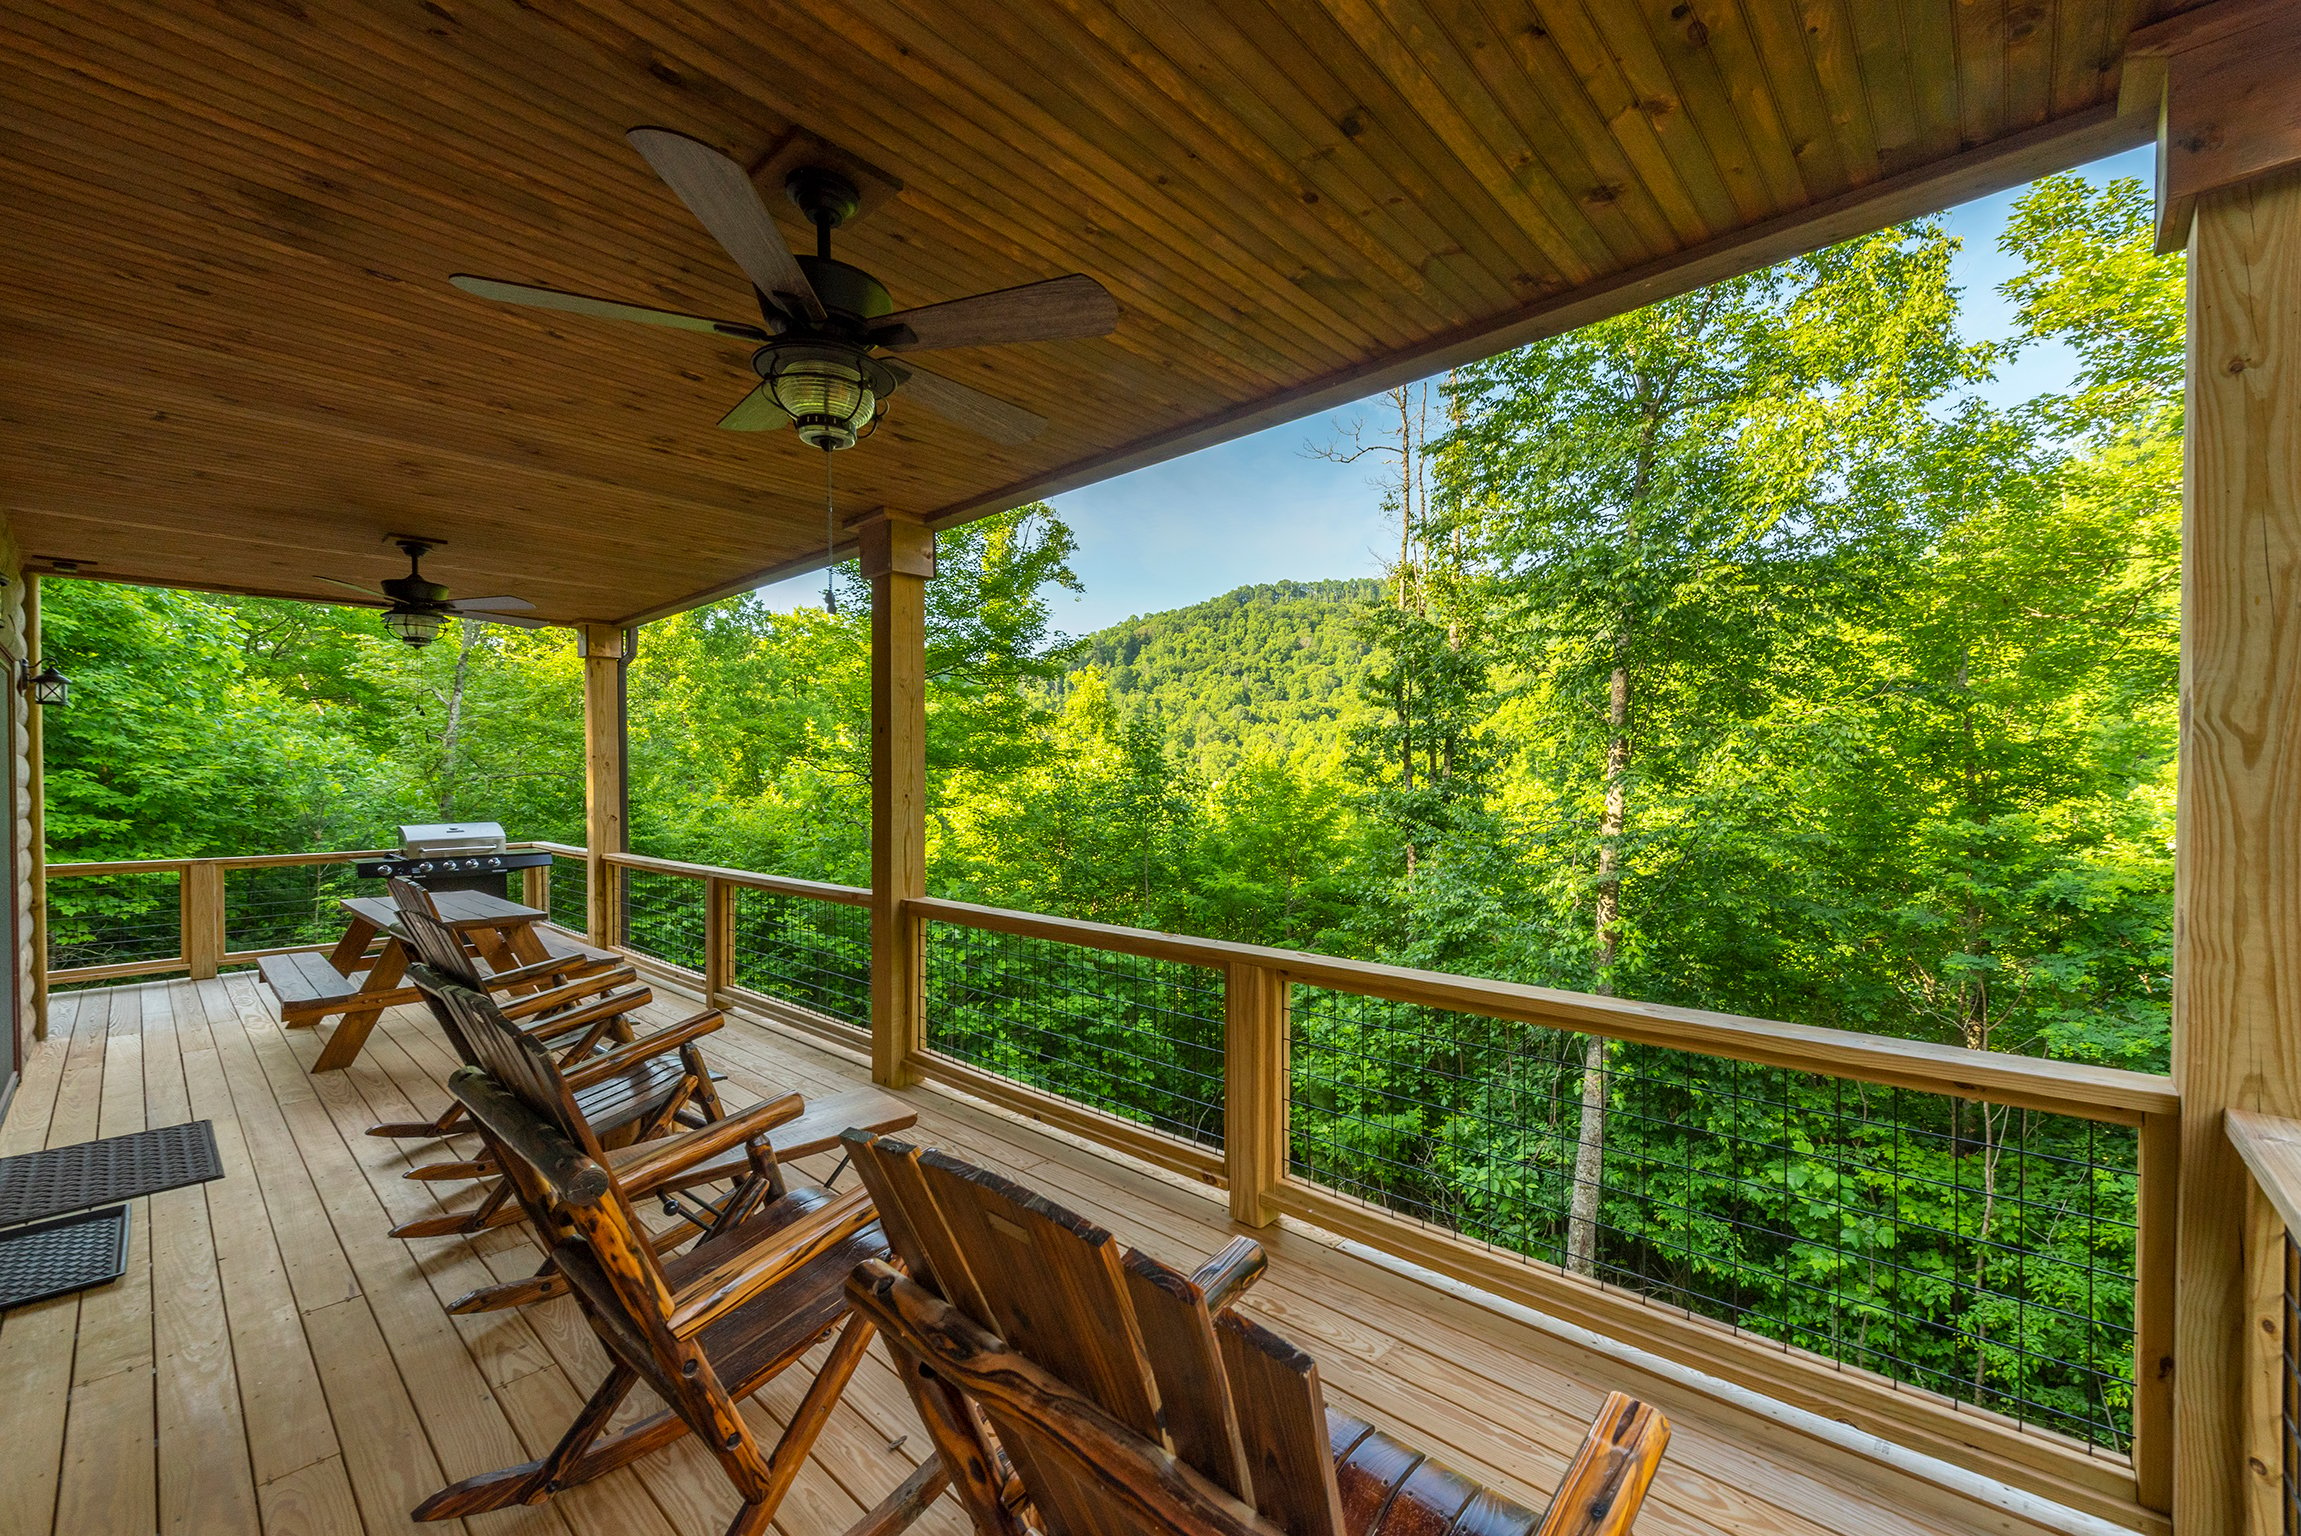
pixel 232 359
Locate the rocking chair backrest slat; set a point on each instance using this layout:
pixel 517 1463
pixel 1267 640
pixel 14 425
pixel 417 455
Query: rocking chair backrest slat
pixel 1051 1284
pixel 1282 1422
pixel 915 1229
pixel 1194 1399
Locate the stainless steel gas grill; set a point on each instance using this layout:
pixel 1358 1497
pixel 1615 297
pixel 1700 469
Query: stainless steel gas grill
pixel 454 856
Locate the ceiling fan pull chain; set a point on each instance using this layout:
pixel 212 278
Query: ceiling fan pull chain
pixel 830 537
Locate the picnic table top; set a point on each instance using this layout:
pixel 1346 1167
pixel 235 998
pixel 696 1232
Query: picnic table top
pixel 460 910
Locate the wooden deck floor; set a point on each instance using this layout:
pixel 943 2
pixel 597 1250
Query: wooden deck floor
pixel 273 1362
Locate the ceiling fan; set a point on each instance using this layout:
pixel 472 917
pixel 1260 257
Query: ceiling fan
pixel 419 605
pixel 822 320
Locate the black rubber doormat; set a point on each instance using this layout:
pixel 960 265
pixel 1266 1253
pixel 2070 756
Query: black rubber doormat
pixel 70 1253
pixel 38 1185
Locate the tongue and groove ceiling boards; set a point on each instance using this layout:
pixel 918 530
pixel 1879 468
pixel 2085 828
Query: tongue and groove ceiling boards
pixel 233 360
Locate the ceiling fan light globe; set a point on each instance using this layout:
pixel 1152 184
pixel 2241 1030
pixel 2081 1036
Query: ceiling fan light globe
pixel 416 626
pixel 831 393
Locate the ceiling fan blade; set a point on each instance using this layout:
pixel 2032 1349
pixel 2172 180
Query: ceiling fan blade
pixel 515 621
pixel 756 412
pixel 605 309
pixel 490 604
pixel 720 195
pixel 353 586
pixel 1056 310
pixel 962 404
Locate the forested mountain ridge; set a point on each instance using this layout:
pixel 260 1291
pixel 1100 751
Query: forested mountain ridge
pixel 1276 666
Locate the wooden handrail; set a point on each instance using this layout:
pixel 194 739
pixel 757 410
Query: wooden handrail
pixel 2028 1082
pixel 2271 1148
pixel 234 861
pixel 782 885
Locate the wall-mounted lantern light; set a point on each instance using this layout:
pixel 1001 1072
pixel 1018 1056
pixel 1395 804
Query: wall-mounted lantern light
pixel 47 686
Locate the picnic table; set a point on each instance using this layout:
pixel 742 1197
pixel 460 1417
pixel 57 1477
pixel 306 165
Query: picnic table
pixel 349 980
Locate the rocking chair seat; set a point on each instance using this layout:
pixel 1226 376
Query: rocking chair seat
pixel 1391 1489
pixel 627 1097
pixel 752 1343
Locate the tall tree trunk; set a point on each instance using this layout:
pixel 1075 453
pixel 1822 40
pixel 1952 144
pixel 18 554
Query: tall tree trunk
pixel 1590 1148
pixel 451 736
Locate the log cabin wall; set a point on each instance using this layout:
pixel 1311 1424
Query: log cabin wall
pixel 20 1014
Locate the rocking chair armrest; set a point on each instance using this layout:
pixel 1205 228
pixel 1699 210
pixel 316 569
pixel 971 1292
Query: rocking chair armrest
pixel 1607 1481
pixel 646 1048
pixel 667 1160
pixel 568 992
pixel 563 967
pixel 719 1291
pixel 1226 1277
pixel 559 1026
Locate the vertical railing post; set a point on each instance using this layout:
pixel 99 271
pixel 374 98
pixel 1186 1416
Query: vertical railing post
pixel 718 940
pixel 604 649
pixel 2157 1175
pixel 2262 1464
pixel 1254 1089
pixel 201 891
pixel 897 554
pixel 535 887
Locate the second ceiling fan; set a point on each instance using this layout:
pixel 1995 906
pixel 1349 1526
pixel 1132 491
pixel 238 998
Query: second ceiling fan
pixel 822 321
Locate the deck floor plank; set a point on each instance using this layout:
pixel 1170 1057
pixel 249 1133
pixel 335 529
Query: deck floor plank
pixel 276 1363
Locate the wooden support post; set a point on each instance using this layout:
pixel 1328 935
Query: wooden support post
pixel 718 940
pixel 898 557
pixel 36 812
pixel 535 887
pixel 201 892
pixel 1254 1089
pixel 2225 83
pixel 606 752
pixel 2158 1165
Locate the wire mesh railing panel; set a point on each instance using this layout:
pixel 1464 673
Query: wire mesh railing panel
pixel 666 916
pixel 282 906
pixel 1981 1252
pixel 816 954
pixel 570 903
pixel 114 919
pixel 1134 1037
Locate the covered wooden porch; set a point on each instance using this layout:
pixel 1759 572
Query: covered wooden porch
pixel 235 363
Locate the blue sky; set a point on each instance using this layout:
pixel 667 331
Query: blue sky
pixel 1262 509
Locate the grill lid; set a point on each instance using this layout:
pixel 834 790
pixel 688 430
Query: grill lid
pixel 431 839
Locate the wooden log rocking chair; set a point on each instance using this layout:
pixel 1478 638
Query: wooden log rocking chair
pixel 575 1002
pixel 625 1100
pixel 1070 1388
pixel 629 1089
pixel 704 1329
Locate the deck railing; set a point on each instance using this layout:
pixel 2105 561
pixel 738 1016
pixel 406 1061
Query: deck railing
pixel 120 919
pixel 1959 1250
pixel 1965 1252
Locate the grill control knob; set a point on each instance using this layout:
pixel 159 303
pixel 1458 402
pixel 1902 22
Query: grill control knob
pixel 423 868
pixel 495 863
